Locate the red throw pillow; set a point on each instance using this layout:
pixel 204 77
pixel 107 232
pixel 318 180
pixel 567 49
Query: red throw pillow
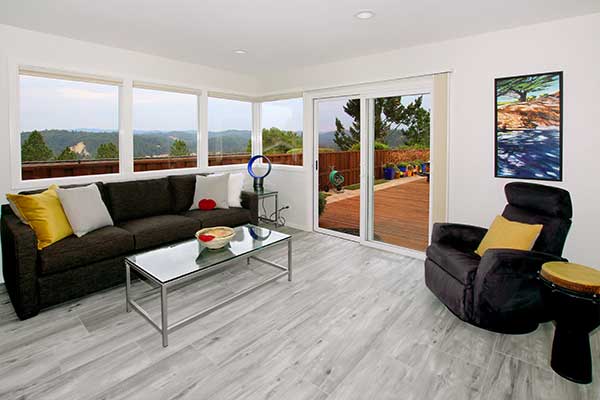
pixel 206 204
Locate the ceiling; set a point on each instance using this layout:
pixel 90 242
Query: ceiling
pixel 277 34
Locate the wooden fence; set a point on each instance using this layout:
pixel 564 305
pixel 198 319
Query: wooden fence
pixel 346 162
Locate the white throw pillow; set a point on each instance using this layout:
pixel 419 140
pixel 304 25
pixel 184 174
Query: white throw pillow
pixel 84 209
pixel 212 187
pixel 236 183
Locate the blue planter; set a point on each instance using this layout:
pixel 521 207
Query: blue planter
pixel 402 168
pixel 389 173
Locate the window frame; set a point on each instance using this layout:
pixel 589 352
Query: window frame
pixel 15 121
pixel 126 85
pixel 288 96
pixel 253 130
pixel 137 84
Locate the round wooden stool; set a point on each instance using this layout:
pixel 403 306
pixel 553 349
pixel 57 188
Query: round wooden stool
pixel 573 299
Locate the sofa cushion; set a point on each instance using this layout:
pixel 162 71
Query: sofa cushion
pixel 182 191
pixel 84 209
pixel 138 199
pixel 160 229
pixel 460 264
pixel 220 217
pixel 44 214
pixel 101 244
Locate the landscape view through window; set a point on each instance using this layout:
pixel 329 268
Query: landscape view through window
pixel 71 128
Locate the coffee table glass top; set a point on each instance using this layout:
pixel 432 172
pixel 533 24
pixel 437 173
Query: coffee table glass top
pixel 172 262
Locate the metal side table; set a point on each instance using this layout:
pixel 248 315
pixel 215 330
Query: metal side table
pixel 266 194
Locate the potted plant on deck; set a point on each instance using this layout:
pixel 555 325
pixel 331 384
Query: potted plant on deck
pixel 417 166
pixel 389 171
pixel 403 166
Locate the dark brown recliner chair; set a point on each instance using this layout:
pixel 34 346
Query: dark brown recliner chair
pixel 500 291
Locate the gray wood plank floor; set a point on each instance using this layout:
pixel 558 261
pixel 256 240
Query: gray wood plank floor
pixel 356 323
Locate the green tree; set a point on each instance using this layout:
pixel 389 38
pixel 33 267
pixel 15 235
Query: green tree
pixel 519 87
pixel 35 148
pixel 276 141
pixel 179 149
pixel 107 151
pixel 391 115
pixel 417 132
pixel 67 154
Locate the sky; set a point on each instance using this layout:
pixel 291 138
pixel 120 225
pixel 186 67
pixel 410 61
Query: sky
pixel 164 111
pixel 283 114
pixel 329 109
pixel 59 104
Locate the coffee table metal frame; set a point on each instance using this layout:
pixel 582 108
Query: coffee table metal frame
pixel 164 328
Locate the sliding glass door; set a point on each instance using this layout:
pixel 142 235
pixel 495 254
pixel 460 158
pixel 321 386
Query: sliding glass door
pixel 338 166
pixel 399 165
pixel 372 165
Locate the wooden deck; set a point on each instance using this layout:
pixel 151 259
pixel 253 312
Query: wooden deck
pixel 401 215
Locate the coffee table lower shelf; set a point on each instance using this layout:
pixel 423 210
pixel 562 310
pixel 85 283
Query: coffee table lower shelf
pixel 164 328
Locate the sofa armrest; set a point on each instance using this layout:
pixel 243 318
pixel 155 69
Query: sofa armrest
pixel 19 258
pixel 464 237
pixel 250 202
pixel 507 283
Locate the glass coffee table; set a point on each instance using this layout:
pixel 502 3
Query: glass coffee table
pixel 174 264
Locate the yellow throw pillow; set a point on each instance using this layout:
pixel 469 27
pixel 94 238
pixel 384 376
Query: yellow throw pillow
pixel 505 234
pixel 44 213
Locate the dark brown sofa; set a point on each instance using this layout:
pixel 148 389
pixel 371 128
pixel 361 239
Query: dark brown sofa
pixel 146 214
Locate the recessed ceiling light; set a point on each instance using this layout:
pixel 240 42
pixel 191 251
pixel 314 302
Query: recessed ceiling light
pixel 240 51
pixel 364 14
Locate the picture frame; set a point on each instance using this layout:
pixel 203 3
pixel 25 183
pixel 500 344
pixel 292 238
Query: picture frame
pixel 528 126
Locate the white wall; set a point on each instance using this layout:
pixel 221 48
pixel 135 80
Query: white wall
pixel 38 49
pixel 475 196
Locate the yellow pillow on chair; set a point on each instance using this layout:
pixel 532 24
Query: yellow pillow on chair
pixel 505 234
pixel 44 213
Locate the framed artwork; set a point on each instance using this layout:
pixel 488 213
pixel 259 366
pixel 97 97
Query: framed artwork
pixel 528 126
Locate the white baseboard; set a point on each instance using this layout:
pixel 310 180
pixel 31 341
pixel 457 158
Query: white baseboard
pixel 300 227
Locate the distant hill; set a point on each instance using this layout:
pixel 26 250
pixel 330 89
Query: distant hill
pixel 146 143
pixel 326 140
pixel 57 140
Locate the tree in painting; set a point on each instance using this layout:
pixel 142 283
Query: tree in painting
pixel 520 87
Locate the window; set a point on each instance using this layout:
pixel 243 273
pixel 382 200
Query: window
pixel 282 131
pixel 67 127
pixel 229 131
pixel 165 129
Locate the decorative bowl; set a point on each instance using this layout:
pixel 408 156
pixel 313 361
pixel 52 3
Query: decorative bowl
pixel 222 236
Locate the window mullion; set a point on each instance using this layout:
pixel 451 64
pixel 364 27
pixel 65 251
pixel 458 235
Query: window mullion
pixel 256 129
pixel 126 128
pixel 202 150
